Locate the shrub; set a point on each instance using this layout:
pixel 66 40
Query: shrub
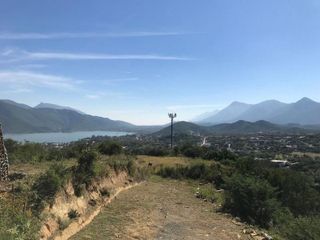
pixel 177 172
pixel 156 151
pixel 251 199
pixel 210 154
pixel 72 214
pixel 110 148
pixel 206 192
pixel 16 222
pixel 131 168
pixel 296 190
pixel 213 173
pixel 47 185
pixel 105 192
pixel 301 228
pixel 192 151
pixel 84 172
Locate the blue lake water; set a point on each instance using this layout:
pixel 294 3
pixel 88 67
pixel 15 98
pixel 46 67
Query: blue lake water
pixel 61 137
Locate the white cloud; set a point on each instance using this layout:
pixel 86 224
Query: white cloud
pixel 18 55
pixel 64 35
pixel 27 78
pixel 93 56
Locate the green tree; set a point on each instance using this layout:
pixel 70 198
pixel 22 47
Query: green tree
pixel 110 148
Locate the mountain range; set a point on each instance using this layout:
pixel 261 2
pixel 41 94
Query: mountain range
pixel 303 112
pixel 21 118
pixel 269 116
pixel 237 128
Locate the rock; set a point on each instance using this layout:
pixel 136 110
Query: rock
pixel 253 233
pixel 249 231
pixel 236 222
pixel 266 236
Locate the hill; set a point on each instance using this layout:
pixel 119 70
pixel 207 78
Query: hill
pixel 181 128
pixel 18 118
pixel 239 127
pixel 303 112
pixel 245 127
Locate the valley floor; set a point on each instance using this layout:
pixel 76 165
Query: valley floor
pixel 161 209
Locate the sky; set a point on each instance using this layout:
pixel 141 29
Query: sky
pixel 137 60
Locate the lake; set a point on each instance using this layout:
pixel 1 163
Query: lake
pixel 61 137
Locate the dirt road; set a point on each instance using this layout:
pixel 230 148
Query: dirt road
pixel 161 209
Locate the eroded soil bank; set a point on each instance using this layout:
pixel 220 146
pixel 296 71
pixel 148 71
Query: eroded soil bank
pixel 70 213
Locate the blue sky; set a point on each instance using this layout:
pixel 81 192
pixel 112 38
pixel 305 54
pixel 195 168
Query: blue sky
pixel 137 60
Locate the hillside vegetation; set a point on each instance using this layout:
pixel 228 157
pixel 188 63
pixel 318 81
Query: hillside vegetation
pixel 281 201
pixel 36 180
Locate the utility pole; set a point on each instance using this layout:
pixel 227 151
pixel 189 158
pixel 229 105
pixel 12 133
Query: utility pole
pixel 172 116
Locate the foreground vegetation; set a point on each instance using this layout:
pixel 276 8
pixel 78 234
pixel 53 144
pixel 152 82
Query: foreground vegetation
pixel 78 163
pixel 285 201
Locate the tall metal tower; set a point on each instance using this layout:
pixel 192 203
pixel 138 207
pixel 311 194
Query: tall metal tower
pixel 172 116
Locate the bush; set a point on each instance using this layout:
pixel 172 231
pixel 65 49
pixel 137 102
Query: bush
pixel 251 199
pixel 296 190
pixel 47 185
pixel 72 214
pixel 213 173
pixel 110 148
pixel 301 228
pixel 192 151
pixel 131 168
pixel 105 192
pixel 84 172
pixel 16 222
pixel 156 151
pixel 210 154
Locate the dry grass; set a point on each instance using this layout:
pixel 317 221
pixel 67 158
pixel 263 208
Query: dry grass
pixel 168 161
pixel 38 168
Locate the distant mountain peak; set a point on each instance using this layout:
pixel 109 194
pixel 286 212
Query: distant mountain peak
pixel 306 100
pixel 271 101
pixel 55 106
pixel 237 103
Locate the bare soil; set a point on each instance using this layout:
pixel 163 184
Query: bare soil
pixel 161 209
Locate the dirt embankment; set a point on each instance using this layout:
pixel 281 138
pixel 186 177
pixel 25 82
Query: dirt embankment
pixel 69 213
